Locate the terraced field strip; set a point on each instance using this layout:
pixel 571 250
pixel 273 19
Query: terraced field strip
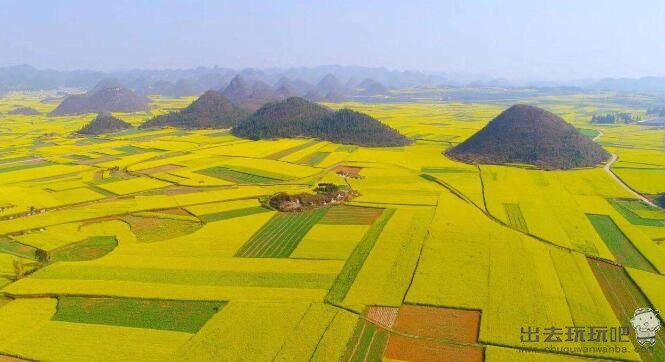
pixel 629 209
pixel 367 343
pixel 280 236
pixel 351 215
pixel 92 248
pixel 239 177
pixel 625 297
pixel 515 217
pixel 230 214
pixel 288 151
pixel 355 262
pixel 9 246
pixel 621 247
pixel 314 158
pixel 172 315
pixel 284 279
pixel 25 165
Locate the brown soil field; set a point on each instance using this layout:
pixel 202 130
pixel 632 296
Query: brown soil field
pixel 383 316
pixel 438 323
pixel 350 171
pixel 412 349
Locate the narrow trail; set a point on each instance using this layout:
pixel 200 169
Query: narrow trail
pixel 608 169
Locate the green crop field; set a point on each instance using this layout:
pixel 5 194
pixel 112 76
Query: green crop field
pixel 619 244
pixel 281 235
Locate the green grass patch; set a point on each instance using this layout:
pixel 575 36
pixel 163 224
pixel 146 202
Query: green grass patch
pixel 288 151
pixel 355 262
pixel 230 214
pixel 314 158
pixel 24 166
pixel 367 343
pixel 187 277
pixel 351 215
pixel 280 236
pixel 92 248
pixel 151 229
pixel 591 133
pixel 621 247
pixel 638 212
pixel 238 177
pixel 132 150
pixel 515 217
pixel 625 297
pixel 170 315
pixel 12 247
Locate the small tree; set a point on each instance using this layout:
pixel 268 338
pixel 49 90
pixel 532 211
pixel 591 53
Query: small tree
pixel 19 269
pixel 660 200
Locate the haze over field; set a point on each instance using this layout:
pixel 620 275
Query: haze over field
pixel 519 40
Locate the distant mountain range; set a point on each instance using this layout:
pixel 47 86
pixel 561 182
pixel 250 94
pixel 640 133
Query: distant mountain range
pixel 195 81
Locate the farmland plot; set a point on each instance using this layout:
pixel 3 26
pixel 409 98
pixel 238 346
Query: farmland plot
pixel 281 235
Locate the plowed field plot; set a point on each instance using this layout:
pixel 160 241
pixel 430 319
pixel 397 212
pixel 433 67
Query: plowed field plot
pixel 409 349
pixel 231 175
pixel 515 217
pixel 383 316
pixel 172 315
pixel 280 236
pixel 351 215
pixel 416 333
pixel 348 170
pixel 623 249
pixel 443 324
pixel 625 297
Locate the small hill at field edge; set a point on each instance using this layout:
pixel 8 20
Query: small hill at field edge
pixel 211 110
pixel 525 134
pixel 106 96
pixel 104 123
pixel 297 117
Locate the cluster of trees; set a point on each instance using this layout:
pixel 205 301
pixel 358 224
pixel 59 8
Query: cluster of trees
pixel 656 111
pixel 325 194
pixel 614 117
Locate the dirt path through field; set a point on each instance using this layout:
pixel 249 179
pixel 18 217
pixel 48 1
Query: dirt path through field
pixel 608 169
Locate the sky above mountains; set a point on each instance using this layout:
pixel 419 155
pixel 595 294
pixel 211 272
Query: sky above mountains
pixel 519 40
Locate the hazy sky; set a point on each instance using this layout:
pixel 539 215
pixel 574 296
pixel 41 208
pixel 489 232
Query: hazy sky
pixel 554 39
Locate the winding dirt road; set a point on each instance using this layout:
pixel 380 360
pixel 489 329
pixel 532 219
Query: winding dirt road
pixel 608 169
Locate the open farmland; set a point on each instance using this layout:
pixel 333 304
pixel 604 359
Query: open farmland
pixel 162 245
